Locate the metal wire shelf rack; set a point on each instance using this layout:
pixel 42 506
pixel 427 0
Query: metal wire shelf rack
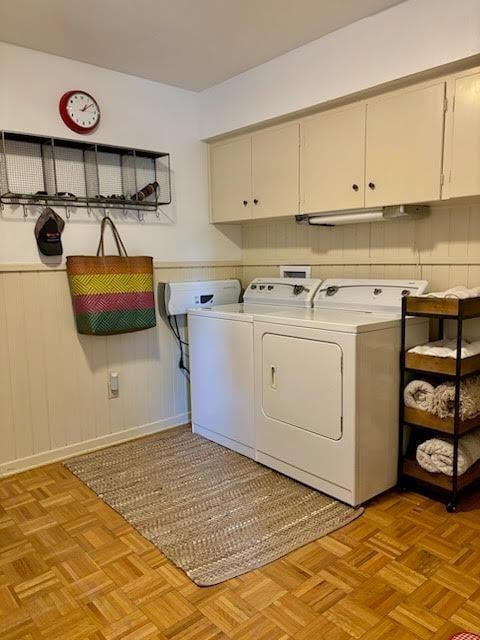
pixel 46 171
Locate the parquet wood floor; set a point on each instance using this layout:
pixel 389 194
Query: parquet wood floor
pixel 73 569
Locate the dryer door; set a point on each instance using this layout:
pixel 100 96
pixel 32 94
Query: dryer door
pixel 302 383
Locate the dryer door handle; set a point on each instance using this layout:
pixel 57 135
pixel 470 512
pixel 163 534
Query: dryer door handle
pixel 273 377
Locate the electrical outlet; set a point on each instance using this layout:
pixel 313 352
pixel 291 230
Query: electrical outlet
pixel 114 385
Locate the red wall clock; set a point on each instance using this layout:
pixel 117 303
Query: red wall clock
pixel 79 111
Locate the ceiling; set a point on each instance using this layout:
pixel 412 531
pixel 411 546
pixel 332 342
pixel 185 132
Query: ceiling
pixel 192 44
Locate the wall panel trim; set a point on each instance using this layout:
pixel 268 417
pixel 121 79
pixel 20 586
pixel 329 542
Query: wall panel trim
pixel 366 261
pixel 20 268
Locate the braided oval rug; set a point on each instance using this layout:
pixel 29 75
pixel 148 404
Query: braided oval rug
pixel 216 514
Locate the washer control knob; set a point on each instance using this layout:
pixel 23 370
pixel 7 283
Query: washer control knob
pixel 377 292
pixel 298 289
pixel 261 287
pixel 405 293
pixel 253 286
pixel 270 287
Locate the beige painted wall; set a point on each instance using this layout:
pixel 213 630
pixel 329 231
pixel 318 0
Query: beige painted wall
pixel 53 382
pixel 443 248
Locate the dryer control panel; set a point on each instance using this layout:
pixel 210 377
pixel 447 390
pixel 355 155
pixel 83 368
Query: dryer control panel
pixel 380 296
pixel 288 292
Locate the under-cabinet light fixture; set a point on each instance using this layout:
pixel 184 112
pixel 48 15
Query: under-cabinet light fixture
pixel 372 214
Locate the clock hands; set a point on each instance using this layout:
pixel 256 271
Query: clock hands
pixel 87 106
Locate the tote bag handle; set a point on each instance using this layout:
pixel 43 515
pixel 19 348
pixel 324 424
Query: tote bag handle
pixel 116 236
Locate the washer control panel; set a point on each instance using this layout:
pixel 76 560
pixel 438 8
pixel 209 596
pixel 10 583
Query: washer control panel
pixel 290 292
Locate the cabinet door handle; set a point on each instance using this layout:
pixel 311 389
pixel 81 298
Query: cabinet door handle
pixel 355 187
pixel 255 201
pixel 273 377
pixel 371 185
pixel 245 202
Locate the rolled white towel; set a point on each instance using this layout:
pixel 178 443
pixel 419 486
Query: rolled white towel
pixel 436 456
pixel 418 394
pixel 443 400
pixel 460 292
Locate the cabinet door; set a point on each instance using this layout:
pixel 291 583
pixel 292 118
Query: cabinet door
pixel 230 180
pixel 404 146
pixel 275 171
pixel 464 178
pixel 332 160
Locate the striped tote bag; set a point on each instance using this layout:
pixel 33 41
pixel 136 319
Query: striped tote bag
pixel 111 294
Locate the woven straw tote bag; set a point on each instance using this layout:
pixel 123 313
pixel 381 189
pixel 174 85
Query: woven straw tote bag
pixel 112 294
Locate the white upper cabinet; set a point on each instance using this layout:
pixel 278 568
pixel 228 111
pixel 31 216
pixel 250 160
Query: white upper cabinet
pixel 231 180
pixel 332 160
pixel 404 143
pixel 462 148
pixel 255 175
pixel 275 169
pixel 396 148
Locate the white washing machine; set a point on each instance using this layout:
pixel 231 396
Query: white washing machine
pixel 327 385
pixel 222 359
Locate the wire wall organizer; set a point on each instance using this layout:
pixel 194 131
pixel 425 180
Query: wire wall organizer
pixel 45 171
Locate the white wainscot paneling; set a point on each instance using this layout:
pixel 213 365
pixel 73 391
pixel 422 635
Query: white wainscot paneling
pixel 54 383
pixel 443 247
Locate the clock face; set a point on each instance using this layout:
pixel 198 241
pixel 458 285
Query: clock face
pixel 79 111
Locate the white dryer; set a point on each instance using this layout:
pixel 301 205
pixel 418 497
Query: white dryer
pixel 327 385
pixel 222 359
